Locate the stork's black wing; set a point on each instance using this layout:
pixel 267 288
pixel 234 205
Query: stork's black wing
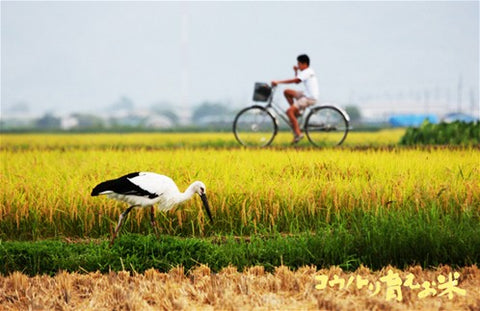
pixel 124 186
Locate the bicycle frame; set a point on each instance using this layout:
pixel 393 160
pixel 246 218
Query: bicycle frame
pixel 276 111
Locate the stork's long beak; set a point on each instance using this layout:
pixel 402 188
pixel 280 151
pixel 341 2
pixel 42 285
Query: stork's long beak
pixel 207 207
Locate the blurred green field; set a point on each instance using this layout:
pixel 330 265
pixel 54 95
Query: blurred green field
pixel 69 141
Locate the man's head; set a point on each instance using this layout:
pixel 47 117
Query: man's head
pixel 303 61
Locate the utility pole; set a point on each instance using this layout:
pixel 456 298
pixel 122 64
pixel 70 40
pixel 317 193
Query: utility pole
pixel 426 100
pixel 185 74
pixel 459 94
pixel 473 102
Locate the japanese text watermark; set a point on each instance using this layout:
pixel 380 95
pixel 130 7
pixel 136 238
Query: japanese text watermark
pixel 443 286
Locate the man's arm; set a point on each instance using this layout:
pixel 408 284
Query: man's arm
pixel 295 80
pixel 276 82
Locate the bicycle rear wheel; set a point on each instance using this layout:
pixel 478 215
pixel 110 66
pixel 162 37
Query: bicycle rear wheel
pixel 326 126
pixel 254 127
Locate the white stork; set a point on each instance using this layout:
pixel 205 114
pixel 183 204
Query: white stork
pixel 143 189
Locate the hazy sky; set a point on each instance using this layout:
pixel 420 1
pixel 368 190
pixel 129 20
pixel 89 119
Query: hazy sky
pixel 80 56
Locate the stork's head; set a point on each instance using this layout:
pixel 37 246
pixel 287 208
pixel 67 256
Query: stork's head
pixel 201 190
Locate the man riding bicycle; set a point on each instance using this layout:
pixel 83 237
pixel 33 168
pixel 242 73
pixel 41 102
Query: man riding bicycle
pixel 299 100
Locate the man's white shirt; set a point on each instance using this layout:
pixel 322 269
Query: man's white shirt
pixel 310 82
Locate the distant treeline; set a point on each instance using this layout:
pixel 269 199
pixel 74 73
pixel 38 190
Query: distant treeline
pixel 121 129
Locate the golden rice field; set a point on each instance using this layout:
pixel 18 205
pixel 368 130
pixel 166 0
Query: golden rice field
pixel 47 180
pixel 253 289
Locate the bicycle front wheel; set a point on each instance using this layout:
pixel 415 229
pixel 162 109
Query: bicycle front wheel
pixel 326 126
pixel 254 127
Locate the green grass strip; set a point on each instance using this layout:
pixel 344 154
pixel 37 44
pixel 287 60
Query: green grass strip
pixel 427 239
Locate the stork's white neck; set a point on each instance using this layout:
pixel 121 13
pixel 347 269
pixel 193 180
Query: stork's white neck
pixel 182 197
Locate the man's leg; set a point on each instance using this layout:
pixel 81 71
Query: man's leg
pixel 290 95
pixel 292 114
pixel 293 111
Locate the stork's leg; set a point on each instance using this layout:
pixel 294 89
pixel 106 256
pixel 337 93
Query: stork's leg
pixel 152 217
pixel 120 222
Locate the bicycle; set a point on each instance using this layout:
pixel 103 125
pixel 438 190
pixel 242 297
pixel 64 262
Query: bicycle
pixel 257 125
